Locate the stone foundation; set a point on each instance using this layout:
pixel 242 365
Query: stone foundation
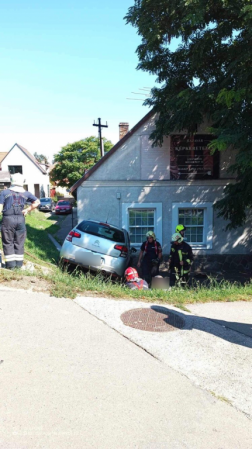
pixel 213 264
pixel 218 263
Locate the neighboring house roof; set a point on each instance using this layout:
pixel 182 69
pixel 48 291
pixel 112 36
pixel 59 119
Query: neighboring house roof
pixel 112 151
pixel 4 176
pixel 51 167
pixel 29 155
pixel 2 155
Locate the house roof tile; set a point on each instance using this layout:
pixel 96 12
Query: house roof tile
pixel 3 154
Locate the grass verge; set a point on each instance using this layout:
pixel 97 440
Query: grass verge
pixel 80 283
pixel 40 250
pixel 37 244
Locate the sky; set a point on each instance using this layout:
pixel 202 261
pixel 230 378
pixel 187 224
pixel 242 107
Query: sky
pixel 64 64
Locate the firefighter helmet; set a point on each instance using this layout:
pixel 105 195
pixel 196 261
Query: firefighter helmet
pixel 180 227
pixel 177 238
pixel 151 234
pixel 131 274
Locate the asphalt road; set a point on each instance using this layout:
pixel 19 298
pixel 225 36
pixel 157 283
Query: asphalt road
pixel 69 381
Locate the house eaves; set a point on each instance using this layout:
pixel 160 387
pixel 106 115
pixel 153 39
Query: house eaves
pixel 4 176
pixel 29 155
pixel 112 151
pixel 2 155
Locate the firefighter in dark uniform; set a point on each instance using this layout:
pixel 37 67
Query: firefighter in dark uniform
pixel 180 261
pixel 180 229
pixel 13 230
pixel 150 257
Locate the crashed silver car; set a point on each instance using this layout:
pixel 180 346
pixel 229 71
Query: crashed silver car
pixel 97 246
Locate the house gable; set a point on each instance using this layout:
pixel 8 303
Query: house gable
pixel 36 179
pixel 27 154
pixel 132 158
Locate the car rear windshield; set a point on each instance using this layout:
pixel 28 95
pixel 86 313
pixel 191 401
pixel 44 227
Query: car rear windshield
pixel 63 203
pixel 45 200
pixel 102 230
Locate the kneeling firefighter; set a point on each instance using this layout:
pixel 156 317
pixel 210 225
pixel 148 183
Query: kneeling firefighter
pixel 133 281
pixel 13 230
pixel 180 260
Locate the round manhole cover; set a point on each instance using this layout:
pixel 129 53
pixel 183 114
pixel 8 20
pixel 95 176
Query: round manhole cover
pixel 156 319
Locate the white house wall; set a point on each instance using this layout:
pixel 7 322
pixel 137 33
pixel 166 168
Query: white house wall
pixel 98 201
pixel 137 173
pixel 138 160
pixel 31 172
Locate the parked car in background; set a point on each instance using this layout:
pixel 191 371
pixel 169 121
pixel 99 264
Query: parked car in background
pixel 63 207
pixel 46 204
pixel 97 246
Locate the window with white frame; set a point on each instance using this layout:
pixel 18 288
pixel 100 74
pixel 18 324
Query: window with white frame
pixel 193 220
pixel 140 222
pixel 198 220
pixel 139 218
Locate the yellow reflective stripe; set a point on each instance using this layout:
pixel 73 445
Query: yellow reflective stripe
pixel 181 258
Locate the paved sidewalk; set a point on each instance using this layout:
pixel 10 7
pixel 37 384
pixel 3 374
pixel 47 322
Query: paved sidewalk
pixel 68 381
pixel 232 315
pixel 212 356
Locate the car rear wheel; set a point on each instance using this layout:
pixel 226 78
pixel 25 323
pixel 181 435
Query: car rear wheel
pixel 67 266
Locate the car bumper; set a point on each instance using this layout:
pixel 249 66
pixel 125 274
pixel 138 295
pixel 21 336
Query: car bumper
pixel 63 211
pixel 93 261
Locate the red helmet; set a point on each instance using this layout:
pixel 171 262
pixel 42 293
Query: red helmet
pixel 131 274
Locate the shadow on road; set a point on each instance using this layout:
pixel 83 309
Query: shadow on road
pixel 239 336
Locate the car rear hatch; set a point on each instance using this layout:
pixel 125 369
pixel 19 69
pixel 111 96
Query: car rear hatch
pixel 63 205
pixel 100 238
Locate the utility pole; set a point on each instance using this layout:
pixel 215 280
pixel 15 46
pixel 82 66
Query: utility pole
pixel 100 126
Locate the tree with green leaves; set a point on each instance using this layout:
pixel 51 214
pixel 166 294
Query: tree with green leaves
pixel 41 158
pixel 73 159
pixel 207 76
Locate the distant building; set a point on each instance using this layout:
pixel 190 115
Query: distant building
pixel 20 160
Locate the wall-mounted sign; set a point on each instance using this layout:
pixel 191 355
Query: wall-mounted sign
pixel 191 159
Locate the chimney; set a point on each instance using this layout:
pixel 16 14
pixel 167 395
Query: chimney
pixel 123 129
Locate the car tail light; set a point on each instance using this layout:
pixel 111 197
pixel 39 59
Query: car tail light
pixel 123 249
pixel 72 234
